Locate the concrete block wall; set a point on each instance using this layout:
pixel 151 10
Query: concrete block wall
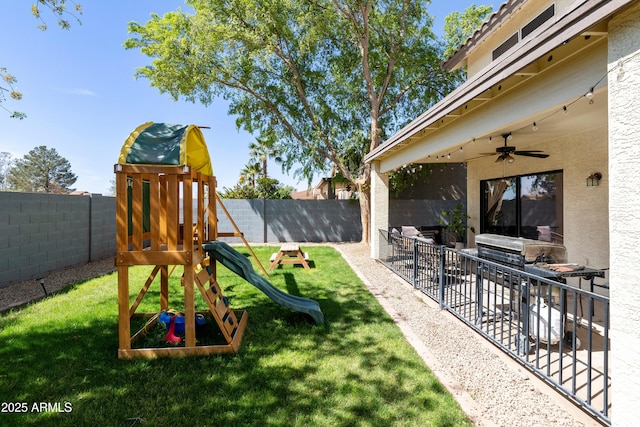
pixel 419 212
pixel 270 221
pixel 41 233
pixel 103 227
pixel 313 221
pixel 248 215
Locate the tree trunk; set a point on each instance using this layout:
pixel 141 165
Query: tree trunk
pixel 363 184
pixel 365 210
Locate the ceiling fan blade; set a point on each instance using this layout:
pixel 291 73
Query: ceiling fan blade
pixel 528 151
pixel 530 154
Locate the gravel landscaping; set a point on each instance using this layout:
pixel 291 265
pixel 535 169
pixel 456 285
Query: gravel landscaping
pixel 18 294
pixel 491 388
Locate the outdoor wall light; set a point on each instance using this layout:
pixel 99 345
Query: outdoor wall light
pixel 593 180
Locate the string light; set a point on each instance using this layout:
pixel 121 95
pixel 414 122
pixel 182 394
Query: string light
pixel 589 94
pixel 534 125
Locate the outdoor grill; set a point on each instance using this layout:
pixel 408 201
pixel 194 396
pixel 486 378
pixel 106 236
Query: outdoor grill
pixel 516 252
pixel 538 258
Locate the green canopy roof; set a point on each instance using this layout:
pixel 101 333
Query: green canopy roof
pixel 167 144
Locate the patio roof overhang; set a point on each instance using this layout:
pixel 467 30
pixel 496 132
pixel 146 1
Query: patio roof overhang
pixel 542 74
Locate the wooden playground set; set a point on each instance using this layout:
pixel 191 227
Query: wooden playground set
pixel 166 213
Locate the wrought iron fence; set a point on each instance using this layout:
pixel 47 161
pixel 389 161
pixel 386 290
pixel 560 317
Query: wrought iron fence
pixel 558 331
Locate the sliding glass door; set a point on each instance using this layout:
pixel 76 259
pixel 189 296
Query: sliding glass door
pixel 527 206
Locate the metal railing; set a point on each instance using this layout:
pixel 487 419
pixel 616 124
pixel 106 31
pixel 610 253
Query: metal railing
pixel 558 331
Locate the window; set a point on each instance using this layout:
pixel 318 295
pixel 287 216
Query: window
pixel 527 206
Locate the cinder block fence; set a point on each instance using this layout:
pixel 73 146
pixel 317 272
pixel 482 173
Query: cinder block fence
pixel 269 221
pixel 41 233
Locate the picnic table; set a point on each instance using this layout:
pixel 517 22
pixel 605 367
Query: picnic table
pixel 289 253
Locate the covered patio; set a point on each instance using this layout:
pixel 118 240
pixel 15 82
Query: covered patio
pixel 539 124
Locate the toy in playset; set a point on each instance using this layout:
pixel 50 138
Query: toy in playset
pixel 174 323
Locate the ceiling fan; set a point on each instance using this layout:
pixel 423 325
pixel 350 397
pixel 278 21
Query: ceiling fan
pixel 505 152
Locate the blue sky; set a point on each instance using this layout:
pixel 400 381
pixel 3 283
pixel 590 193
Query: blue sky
pixel 81 98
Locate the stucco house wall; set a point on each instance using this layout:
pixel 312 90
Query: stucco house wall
pixel 624 208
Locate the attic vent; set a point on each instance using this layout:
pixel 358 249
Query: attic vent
pixel 508 44
pixel 538 20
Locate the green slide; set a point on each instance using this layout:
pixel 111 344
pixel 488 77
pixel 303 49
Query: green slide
pixel 241 266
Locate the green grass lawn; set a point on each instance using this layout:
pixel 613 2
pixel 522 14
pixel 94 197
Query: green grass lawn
pixel 60 356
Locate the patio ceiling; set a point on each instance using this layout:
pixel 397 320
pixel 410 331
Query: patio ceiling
pixel 513 105
pixel 550 124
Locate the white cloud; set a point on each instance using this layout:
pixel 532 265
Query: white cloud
pixel 78 91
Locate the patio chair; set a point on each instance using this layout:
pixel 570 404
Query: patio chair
pixel 410 231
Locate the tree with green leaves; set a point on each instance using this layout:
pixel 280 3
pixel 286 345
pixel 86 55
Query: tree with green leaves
pixel 262 150
pixel 42 170
pixel 266 188
pixel 329 78
pixel 459 26
pixel 249 173
pixel 8 89
pixel 271 188
pixel 60 9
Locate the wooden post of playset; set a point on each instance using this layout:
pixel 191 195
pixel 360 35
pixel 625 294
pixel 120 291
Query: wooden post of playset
pixel 156 227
